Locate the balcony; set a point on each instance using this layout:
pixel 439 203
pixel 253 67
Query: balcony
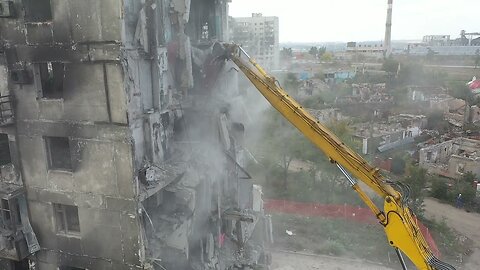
pixel 17 239
pixel 7 116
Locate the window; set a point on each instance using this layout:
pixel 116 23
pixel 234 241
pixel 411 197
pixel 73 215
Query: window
pixel 5 212
pixel 71 268
pixel 66 217
pixel 37 10
pixel 58 151
pixel 51 77
pixel 460 168
pixel 429 155
pixel 4 150
pixel 9 214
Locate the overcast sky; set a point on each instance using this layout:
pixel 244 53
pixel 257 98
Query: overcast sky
pixel 360 20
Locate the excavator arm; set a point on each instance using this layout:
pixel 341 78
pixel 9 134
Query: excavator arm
pixel 399 223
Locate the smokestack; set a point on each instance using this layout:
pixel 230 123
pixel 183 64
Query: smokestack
pixel 388 31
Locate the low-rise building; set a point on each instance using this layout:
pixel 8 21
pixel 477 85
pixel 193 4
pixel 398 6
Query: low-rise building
pixel 451 158
pixel 375 137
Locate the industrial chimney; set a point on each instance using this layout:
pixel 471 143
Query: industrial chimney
pixel 388 31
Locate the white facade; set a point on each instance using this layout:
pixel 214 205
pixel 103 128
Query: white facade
pixel 259 36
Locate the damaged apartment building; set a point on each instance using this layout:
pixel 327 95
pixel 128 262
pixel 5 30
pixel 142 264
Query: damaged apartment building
pixel 120 147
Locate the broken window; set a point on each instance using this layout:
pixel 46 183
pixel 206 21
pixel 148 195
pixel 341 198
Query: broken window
pixel 4 150
pixel 66 217
pixel 51 79
pixel 37 10
pixel 58 151
pixel 429 155
pixel 5 212
pixel 461 168
pixel 9 214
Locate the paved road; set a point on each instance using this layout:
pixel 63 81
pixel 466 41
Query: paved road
pixel 438 66
pixel 300 261
pixel 467 224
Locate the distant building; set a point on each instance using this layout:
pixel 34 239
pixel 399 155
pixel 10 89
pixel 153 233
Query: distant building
pixel 370 49
pixel 376 138
pixel 436 40
pixel 466 44
pixel 452 158
pixel 259 36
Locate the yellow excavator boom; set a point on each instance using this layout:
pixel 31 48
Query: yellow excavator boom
pixel 399 223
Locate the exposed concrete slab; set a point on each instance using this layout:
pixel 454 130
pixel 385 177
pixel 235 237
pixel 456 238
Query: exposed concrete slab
pixel 11 31
pixel 28 107
pixel 50 109
pixel 61 16
pixel 111 16
pixel 84 131
pixel 116 93
pixel 32 151
pixel 84 93
pixel 85 20
pixel 103 241
pixel 121 205
pixel 124 167
pixel 60 180
pixel 96 160
pixel 41 215
pixel 69 244
pixel 131 241
pixel 39 33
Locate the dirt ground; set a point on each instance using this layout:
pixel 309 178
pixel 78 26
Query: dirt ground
pixel 300 261
pixel 465 223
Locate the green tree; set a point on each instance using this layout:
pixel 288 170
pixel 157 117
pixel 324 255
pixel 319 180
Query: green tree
pixel 398 165
pixel 313 51
pixel 416 180
pixel 465 187
pixel 282 143
pixel 327 57
pixel 460 90
pixel 439 189
pixel 321 51
pixel 390 65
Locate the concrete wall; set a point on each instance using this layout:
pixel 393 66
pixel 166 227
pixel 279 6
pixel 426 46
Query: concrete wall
pixel 85 36
pixel 449 158
pixel 72 22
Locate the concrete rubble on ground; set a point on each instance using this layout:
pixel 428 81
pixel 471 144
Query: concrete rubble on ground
pixel 451 158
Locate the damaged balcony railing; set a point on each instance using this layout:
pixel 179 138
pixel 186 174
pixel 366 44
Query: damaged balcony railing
pixel 17 239
pixel 6 110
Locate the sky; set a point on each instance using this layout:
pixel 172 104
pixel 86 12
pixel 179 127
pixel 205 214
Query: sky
pixel 363 20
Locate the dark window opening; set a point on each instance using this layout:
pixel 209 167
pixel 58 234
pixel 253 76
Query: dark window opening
pixel 9 214
pixel 58 151
pixel 165 119
pixel 66 217
pixel 5 211
pixel 71 268
pixel 51 76
pixel 37 10
pixel 429 156
pixel 5 157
